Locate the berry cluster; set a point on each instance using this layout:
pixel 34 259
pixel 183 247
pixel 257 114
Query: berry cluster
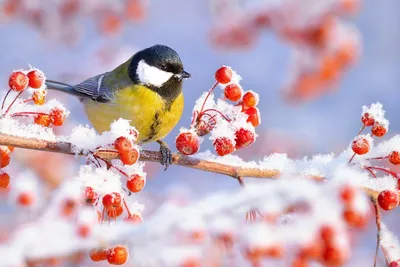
pixel 117 255
pixel 109 17
pixel 231 121
pixel 325 45
pixel 19 82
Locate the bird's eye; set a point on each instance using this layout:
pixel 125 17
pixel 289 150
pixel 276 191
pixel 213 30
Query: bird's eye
pixel 164 67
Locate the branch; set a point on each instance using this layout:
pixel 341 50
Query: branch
pixel 236 172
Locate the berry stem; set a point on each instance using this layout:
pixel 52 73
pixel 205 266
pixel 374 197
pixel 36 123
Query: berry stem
pixel 19 114
pixel 127 209
pixel 4 99
pixel 352 157
pixel 27 100
pixel 378 226
pixel 112 166
pixel 12 103
pixel 395 175
pixel 371 172
pixel 362 129
pixel 219 112
pixel 379 158
pixel 209 93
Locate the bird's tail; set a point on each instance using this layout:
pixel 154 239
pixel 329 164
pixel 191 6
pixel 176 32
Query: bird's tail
pixel 62 87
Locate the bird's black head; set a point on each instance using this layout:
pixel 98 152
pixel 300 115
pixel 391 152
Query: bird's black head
pixel 160 68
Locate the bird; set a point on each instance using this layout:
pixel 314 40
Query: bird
pixel 146 90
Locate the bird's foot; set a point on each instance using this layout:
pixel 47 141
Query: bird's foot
pixel 166 154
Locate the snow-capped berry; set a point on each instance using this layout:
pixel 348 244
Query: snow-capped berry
pixel 134 219
pixel 38 97
pixel 360 146
pixel 224 75
pixel 129 157
pixel 378 130
pixel 254 116
pixel 223 146
pixel 36 79
pixel 57 116
pixel 233 92
pixel 367 119
pixel 250 99
pixel 90 195
pixel 18 81
pixel 117 255
pixel 122 144
pixel 388 199
pixel 5 157
pixel 394 157
pixel 98 254
pixel 244 138
pixel 112 200
pixel 203 128
pixel 115 212
pixel 187 143
pixel 4 180
pixel 43 120
pixel 136 183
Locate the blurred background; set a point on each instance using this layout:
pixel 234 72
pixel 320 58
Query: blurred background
pixel 71 40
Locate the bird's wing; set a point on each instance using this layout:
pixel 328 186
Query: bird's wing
pixel 95 89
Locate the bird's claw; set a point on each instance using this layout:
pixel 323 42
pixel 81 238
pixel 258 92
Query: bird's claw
pixel 166 155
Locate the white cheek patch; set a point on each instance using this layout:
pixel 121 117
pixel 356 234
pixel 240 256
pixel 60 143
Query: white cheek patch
pixel 151 75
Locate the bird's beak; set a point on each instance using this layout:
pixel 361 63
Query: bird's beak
pixel 183 75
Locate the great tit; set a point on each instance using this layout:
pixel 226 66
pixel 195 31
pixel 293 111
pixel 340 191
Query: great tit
pixel 146 89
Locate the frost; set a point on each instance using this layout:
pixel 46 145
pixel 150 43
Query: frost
pixel 377 113
pixel 102 181
pixel 389 244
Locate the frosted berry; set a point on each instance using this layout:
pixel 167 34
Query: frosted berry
pixel 117 255
pixel 115 212
pixel 250 99
pixel 233 92
pixel 4 157
pixel 360 146
pixel 394 157
pixel 38 97
pixel 129 157
pixel 134 219
pixel 367 119
pixel 36 79
pixel 112 200
pixel 244 138
pixel 388 199
pixel 254 116
pixel 43 120
pixel 203 128
pixel 98 254
pixel 136 183
pixel 90 195
pixel 57 116
pixel 187 143
pixel 4 180
pixel 224 75
pixel 223 146
pixel 378 130
pixel 122 144
pixel 18 81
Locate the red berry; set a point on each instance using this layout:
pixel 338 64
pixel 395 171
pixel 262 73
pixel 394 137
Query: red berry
pixel 25 199
pixel 5 157
pixel 117 255
pixel 347 194
pixel 136 183
pixel 378 130
pixel 98 255
pixel 43 120
pixel 68 207
pixel 18 81
pixel 244 138
pixel 360 146
pixel 334 256
pixel 129 157
pixel 233 92
pixel 57 116
pixel 254 116
pixel 4 180
pixel 36 79
pixel 115 212
pixel 84 230
pixel 300 262
pixel 90 195
pixel 367 119
pixel 394 157
pixel 388 199
pixel 223 146
pixel 354 218
pixel 38 97
pixel 187 143
pixel 395 263
pixel 224 75
pixel 203 128
pixel 134 219
pixel 112 200
pixel 122 144
pixel 250 99
pixel 327 233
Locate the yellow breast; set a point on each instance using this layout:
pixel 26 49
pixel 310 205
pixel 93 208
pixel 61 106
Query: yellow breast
pixel 146 110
